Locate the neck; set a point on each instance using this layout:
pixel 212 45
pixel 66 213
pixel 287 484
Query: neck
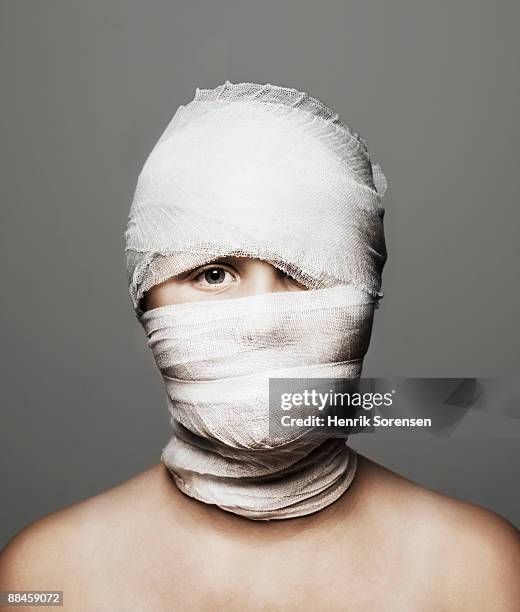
pixel 298 479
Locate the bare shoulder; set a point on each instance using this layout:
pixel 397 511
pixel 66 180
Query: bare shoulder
pixel 484 562
pixel 60 547
pixel 471 553
pixel 38 555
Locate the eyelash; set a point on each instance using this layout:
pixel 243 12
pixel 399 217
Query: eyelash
pixel 225 269
pixel 211 267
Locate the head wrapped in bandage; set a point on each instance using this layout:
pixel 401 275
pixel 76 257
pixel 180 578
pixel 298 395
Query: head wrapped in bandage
pixel 268 172
pixel 261 171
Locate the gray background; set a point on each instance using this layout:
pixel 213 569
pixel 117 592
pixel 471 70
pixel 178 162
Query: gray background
pixel 87 88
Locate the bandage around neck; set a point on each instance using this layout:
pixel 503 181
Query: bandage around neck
pixel 216 359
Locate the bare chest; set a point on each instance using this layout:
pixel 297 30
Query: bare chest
pixel 257 580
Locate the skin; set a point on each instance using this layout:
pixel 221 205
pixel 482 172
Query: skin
pixel 387 544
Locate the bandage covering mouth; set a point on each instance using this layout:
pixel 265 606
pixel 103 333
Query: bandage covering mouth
pixel 268 172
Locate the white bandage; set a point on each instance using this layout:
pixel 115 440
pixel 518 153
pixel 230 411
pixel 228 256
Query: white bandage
pixel 217 357
pixel 260 171
pixel 267 172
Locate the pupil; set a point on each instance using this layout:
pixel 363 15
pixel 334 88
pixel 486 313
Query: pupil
pixel 213 275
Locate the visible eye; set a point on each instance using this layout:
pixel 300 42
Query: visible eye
pixel 213 276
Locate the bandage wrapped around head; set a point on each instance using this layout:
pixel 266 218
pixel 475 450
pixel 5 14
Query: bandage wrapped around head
pixel 268 172
pixel 261 171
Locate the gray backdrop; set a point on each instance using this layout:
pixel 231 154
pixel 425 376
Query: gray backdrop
pixel 87 88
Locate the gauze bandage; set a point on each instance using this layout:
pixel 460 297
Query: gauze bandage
pixel 216 359
pixel 268 172
pixel 260 171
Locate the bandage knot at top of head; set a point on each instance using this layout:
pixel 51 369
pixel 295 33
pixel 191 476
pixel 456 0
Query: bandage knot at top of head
pixel 260 171
pixel 267 172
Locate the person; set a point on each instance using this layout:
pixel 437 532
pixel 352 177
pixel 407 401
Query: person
pixel 255 247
